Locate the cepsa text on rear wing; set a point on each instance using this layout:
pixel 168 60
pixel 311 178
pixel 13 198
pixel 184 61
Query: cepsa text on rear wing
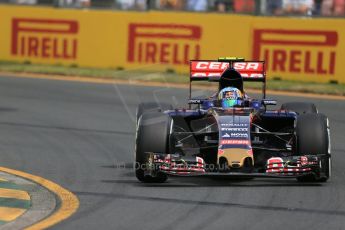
pixel 203 70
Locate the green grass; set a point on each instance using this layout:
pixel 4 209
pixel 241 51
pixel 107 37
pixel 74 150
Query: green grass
pixel 15 203
pixel 160 77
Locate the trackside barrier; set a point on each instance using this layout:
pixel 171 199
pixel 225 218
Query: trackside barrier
pixel 294 48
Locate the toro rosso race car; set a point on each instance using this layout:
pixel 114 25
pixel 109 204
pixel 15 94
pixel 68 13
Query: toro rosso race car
pixel 230 134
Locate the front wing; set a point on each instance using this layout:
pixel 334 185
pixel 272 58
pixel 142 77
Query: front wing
pixel 276 167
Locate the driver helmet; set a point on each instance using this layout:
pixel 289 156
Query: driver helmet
pixel 230 97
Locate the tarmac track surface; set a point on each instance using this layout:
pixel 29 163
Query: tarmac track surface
pixel 77 134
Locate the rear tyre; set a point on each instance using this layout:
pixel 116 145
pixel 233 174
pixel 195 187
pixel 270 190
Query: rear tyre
pixel 153 130
pixel 152 107
pixel 312 132
pixel 299 107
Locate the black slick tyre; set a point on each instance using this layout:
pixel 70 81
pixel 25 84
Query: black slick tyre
pixel 312 137
pixel 152 136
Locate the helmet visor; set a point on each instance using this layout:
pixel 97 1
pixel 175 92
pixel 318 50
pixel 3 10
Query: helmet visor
pixel 230 95
pixel 227 103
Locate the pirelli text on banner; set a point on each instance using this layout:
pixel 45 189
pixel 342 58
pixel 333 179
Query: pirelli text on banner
pixel 44 38
pixel 163 43
pixel 297 51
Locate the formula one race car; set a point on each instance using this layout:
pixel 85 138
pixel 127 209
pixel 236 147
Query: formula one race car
pixel 230 134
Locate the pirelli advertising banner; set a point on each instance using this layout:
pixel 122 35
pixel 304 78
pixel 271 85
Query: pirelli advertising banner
pixel 294 48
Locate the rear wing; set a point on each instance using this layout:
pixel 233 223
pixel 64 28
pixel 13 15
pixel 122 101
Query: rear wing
pixel 211 70
pixel 207 70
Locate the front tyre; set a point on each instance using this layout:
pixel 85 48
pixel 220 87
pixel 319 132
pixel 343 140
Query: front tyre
pixel 313 138
pixel 152 136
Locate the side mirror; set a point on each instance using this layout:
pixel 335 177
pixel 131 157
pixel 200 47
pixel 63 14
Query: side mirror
pixel 266 102
pixel 195 101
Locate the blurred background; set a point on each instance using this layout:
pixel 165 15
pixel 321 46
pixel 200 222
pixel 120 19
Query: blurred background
pixel 315 8
pixel 300 40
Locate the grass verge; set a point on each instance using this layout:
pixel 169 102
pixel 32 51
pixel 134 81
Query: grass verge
pixel 145 76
